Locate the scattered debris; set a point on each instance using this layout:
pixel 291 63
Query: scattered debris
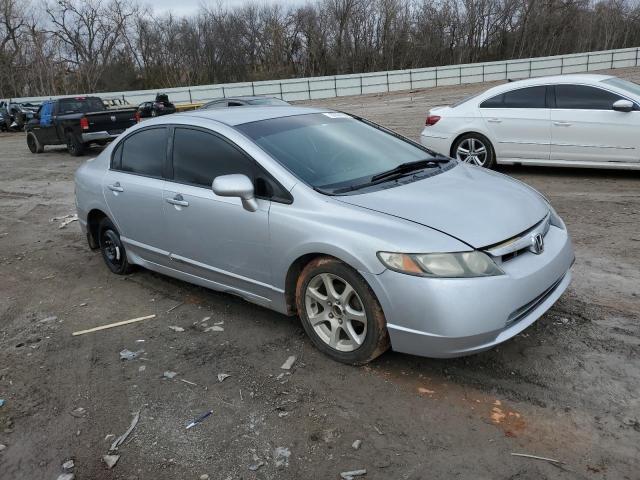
pixel 3 401
pixel 281 456
pixel 174 307
pixel 283 414
pixel 176 329
pixel 215 328
pixel 48 319
pixel 204 477
pixel 188 382
pixel 129 355
pixel 222 376
pixel 2 447
pixel 199 419
pixel 66 220
pixel 140 340
pixel 288 363
pixel 78 412
pixel 120 440
pixel 205 319
pixel 380 432
pixel 68 466
pixel 255 466
pixel 169 374
pixel 109 436
pixel 66 476
pixel 535 457
pixel 356 445
pixel 425 391
pixel 353 473
pixel 110 460
pixel 142 368
pixel 112 325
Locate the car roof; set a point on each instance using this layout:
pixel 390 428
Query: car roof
pixel 243 97
pixel 554 79
pixel 238 116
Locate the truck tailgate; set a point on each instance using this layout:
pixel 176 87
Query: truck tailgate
pixel 112 121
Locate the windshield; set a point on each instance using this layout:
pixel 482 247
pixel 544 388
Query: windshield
pixel 267 101
pixel 331 150
pixel 630 87
pixel 80 105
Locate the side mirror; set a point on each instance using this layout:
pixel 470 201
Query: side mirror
pixel 623 106
pixel 236 185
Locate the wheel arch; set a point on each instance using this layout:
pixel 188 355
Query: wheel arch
pixel 94 217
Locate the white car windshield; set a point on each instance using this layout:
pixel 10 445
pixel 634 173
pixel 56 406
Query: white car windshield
pixel 630 87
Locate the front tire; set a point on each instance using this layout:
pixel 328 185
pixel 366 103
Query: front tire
pixel 340 312
pixel 74 145
pixel 112 249
pixel 475 149
pixel 33 143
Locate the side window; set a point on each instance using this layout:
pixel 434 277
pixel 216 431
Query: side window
pixel 144 152
pixel 530 97
pixel 581 97
pixel 199 157
pixel 116 157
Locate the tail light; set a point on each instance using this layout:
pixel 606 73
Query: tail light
pixel 84 123
pixel 432 120
pixel 137 117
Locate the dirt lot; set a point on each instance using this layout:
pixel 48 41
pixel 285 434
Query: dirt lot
pixel 567 388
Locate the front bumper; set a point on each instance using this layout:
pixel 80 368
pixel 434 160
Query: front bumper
pixel 452 317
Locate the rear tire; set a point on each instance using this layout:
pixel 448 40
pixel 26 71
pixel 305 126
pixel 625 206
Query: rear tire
pixel 74 146
pixel 474 149
pixel 112 249
pixel 340 312
pixel 33 143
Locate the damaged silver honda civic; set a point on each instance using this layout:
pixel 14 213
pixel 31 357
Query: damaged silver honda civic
pixel 373 240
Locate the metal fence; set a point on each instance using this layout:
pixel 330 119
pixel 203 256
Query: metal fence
pixel 395 80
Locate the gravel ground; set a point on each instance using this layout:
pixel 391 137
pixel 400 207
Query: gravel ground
pixel 566 388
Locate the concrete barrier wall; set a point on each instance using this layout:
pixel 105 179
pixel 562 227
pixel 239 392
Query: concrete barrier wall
pixel 396 80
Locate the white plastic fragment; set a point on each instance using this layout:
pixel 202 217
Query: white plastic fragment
pixel 288 363
pixel 169 374
pixel 223 376
pixel 110 460
pixel 176 328
pixel 281 456
pixel 127 354
pixel 66 476
pixel 120 440
pixel 68 465
pixel 353 473
pixel 356 445
pixel 215 328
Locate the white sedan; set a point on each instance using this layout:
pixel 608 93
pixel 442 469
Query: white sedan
pixel 568 120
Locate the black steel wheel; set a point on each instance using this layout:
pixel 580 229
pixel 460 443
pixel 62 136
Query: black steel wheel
pixel 112 249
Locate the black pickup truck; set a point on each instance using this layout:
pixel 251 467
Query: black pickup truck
pixel 76 122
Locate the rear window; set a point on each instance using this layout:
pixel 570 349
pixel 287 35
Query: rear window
pixel 80 105
pixel 530 97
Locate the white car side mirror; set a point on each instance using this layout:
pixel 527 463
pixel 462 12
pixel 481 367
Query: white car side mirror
pixel 623 106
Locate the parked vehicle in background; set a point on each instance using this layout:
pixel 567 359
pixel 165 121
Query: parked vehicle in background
pixel 160 106
pixel 16 115
pixel 116 103
pixel 243 101
pixel 568 120
pixel 76 122
pixel 372 239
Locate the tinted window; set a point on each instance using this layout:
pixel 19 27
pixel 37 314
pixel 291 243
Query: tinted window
pixel 531 97
pixel 581 97
pixel 144 152
pixel 199 157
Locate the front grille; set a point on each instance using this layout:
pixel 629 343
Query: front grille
pixel 524 310
pixel 521 243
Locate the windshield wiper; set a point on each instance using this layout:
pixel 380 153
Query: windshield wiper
pixel 409 167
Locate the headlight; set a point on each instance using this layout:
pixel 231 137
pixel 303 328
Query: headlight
pixel 449 265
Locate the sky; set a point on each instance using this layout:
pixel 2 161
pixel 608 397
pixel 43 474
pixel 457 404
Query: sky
pixel 187 7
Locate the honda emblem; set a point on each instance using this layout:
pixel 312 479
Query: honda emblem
pixel 113 118
pixel 537 243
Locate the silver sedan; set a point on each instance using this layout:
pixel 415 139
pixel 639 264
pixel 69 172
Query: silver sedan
pixel 371 239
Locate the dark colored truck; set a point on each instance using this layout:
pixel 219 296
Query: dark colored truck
pixel 76 122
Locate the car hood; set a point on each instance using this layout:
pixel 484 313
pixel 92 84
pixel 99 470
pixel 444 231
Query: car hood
pixel 472 204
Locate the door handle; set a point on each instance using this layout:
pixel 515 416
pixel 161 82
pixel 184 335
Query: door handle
pixel 116 187
pixel 178 200
pixel 494 120
pixel 562 124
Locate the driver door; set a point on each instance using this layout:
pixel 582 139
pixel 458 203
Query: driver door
pixel 584 126
pixel 214 237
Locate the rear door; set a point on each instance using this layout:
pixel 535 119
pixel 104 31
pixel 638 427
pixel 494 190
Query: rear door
pixel 586 128
pixel 520 123
pixel 215 237
pixel 133 191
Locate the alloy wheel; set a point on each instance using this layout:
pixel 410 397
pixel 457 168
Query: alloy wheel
pixel 336 312
pixel 471 150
